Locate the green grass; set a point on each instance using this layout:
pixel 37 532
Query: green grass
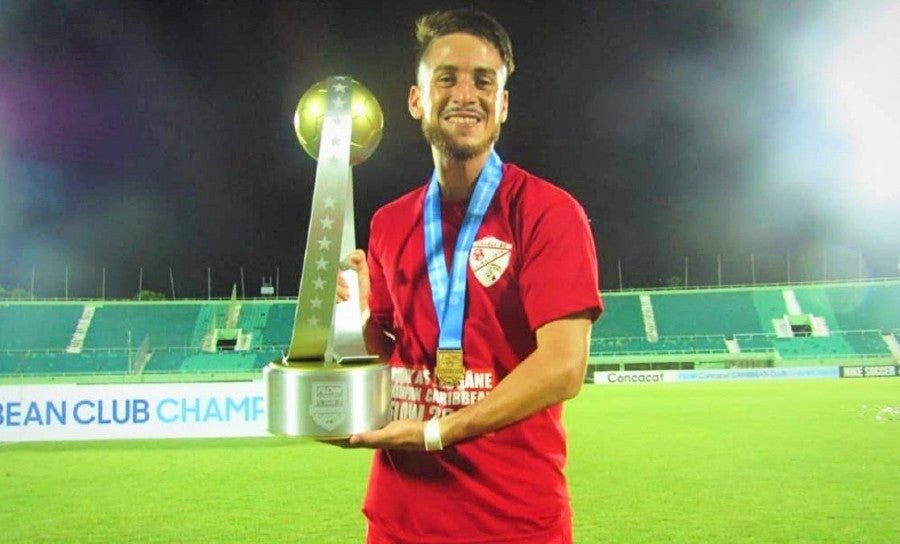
pixel 777 461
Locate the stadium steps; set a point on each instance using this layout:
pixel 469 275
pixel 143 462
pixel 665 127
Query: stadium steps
pixel 791 302
pixel 890 340
pixel 815 301
pixel 650 329
pixel 76 344
pixel 207 319
pixel 253 321
pixel 234 315
pixel 732 345
pixel 769 304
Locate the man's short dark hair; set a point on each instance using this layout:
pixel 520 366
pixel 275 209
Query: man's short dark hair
pixel 440 23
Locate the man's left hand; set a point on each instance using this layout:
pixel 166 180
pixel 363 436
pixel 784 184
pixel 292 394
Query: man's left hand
pixel 404 434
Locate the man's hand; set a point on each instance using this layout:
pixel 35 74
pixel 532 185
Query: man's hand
pixel 403 434
pixel 357 262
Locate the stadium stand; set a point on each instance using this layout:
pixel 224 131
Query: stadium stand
pixel 125 325
pixel 35 325
pixel 796 325
pixel 279 325
pixel 628 321
pixel 873 307
pixel 716 312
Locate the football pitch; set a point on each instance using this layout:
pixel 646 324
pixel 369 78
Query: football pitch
pixel 814 461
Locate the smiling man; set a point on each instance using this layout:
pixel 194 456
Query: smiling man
pixel 481 288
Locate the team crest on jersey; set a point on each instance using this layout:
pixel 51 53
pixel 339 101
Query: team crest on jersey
pixel 489 259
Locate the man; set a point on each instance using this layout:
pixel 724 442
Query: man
pixel 481 290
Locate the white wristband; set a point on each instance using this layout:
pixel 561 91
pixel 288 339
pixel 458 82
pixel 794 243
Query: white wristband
pixel 433 435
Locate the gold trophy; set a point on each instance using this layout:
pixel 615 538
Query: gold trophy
pixel 326 386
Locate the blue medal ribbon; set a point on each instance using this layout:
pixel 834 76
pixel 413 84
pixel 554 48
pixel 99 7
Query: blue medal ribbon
pixel 449 294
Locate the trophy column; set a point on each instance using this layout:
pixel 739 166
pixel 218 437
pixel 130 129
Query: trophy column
pixel 327 386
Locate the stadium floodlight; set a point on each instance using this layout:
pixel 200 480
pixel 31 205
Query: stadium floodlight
pixel 862 90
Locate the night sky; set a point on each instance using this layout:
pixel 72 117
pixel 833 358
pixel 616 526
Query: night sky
pixel 158 134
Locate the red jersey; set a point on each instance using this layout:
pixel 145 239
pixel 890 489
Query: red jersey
pixel 533 261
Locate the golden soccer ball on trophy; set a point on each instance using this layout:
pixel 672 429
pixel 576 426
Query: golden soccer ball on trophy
pixel 368 120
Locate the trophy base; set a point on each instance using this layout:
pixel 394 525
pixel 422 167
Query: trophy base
pixel 326 401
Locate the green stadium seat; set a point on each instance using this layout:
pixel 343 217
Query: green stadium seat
pixel 166 325
pixel 279 325
pixel 705 313
pixel 165 361
pixel 866 343
pixel 621 317
pixel 37 326
pixel 219 362
pixel 865 307
pixel 10 363
pixel 755 343
pixel 809 347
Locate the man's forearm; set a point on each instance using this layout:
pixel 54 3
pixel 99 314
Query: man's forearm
pixel 551 374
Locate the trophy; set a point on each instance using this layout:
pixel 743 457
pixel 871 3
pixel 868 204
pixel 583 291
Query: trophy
pixel 326 386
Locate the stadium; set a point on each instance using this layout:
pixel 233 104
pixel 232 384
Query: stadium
pixel 733 418
pixel 759 409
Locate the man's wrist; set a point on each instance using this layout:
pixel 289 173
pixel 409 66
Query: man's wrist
pixel 433 440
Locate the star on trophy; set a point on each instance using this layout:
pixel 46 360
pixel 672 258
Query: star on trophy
pixel 326 386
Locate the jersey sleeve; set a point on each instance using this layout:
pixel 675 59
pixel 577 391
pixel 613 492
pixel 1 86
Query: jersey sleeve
pixel 560 273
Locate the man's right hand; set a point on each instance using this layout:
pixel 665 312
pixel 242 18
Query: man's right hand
pixel 357 262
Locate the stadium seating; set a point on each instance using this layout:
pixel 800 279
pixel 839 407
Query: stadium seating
pixel 717 328
pixel 10 363
pixel 162 361
pixel 124 325
pixel 30 325
pixel 219 362
pixel 625 321
pixel 754 343
pixel 866 342
pixel 279 325
pixel 721 312
pixel 865 307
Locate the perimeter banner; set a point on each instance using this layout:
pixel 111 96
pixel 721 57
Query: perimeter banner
pixel 101 412
pixel 645 377
pixel 870 371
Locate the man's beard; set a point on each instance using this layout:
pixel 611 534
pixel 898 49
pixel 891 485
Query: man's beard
pixel 447 146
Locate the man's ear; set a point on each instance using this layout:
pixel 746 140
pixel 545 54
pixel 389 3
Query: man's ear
pixel 415 102
pixel 504 109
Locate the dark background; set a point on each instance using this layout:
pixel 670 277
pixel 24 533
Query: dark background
pixel 139 136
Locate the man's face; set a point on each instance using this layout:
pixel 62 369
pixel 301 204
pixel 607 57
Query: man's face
pixel 460 96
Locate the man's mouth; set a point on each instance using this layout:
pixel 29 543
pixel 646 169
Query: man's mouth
pixel 462 118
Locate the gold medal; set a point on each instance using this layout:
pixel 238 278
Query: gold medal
pixel 449 368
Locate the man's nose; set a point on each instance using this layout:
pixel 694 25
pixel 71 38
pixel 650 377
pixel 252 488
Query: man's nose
pixel 465 92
